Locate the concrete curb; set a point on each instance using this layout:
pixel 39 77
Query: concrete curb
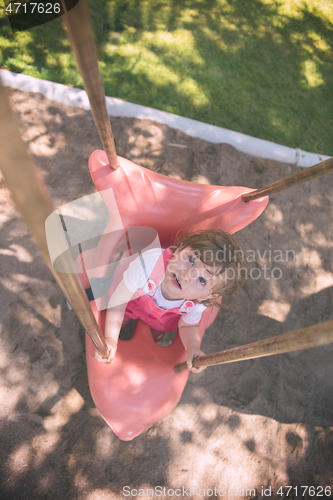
pixel 117 107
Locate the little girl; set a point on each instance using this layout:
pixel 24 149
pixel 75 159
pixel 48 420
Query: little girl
pixel 171 288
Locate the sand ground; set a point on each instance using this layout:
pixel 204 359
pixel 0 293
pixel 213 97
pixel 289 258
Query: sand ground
pixel 257 423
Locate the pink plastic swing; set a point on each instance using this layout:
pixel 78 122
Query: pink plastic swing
pixel 140 387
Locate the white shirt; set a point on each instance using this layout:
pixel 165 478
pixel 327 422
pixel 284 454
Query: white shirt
pixel 135 278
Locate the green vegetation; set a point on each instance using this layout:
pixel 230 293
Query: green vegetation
pixel 261 67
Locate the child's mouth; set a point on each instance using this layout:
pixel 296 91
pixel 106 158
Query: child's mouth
pixel 177 281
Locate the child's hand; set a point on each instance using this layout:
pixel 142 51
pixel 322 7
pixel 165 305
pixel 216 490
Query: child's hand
pixel 190 357
pixel 112 345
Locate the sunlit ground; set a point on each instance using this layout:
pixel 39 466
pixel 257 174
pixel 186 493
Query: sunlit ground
pixel 263 67
pixel 246 425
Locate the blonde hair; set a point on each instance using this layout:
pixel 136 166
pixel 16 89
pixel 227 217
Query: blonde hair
pixel 222 252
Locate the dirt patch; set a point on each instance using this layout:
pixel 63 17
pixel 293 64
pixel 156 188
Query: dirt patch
pixel 258 423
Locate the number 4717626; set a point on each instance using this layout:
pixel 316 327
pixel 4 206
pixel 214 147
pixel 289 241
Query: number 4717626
pixel 41 8
pixel 311 491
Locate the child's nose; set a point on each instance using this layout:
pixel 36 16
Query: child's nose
pixel 186 275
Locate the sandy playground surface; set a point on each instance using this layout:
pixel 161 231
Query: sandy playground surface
pixel 258 423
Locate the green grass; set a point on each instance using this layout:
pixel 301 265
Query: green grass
pixel 261 67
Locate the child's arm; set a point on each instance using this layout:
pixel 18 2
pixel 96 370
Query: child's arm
pixel 114 319
pixel 190 336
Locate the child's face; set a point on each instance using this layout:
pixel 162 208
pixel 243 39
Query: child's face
pixel 187 277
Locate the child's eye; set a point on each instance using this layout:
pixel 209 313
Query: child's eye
pixel 202 281
pixel 191 260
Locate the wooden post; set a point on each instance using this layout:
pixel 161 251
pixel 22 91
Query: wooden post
pixel 305 338
pixel 83 46
pixel 32 200
pixel 305 175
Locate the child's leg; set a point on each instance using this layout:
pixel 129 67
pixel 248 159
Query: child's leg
pixel 125 323
pixel 127 329
pixel 157 335
pixel 164 338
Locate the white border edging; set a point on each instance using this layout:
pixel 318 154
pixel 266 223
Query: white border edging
pixel 117 107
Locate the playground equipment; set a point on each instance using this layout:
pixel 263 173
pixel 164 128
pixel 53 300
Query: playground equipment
pixel 140 386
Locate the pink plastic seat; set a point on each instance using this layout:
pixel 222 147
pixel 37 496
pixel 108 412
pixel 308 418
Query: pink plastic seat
pixel 140 387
